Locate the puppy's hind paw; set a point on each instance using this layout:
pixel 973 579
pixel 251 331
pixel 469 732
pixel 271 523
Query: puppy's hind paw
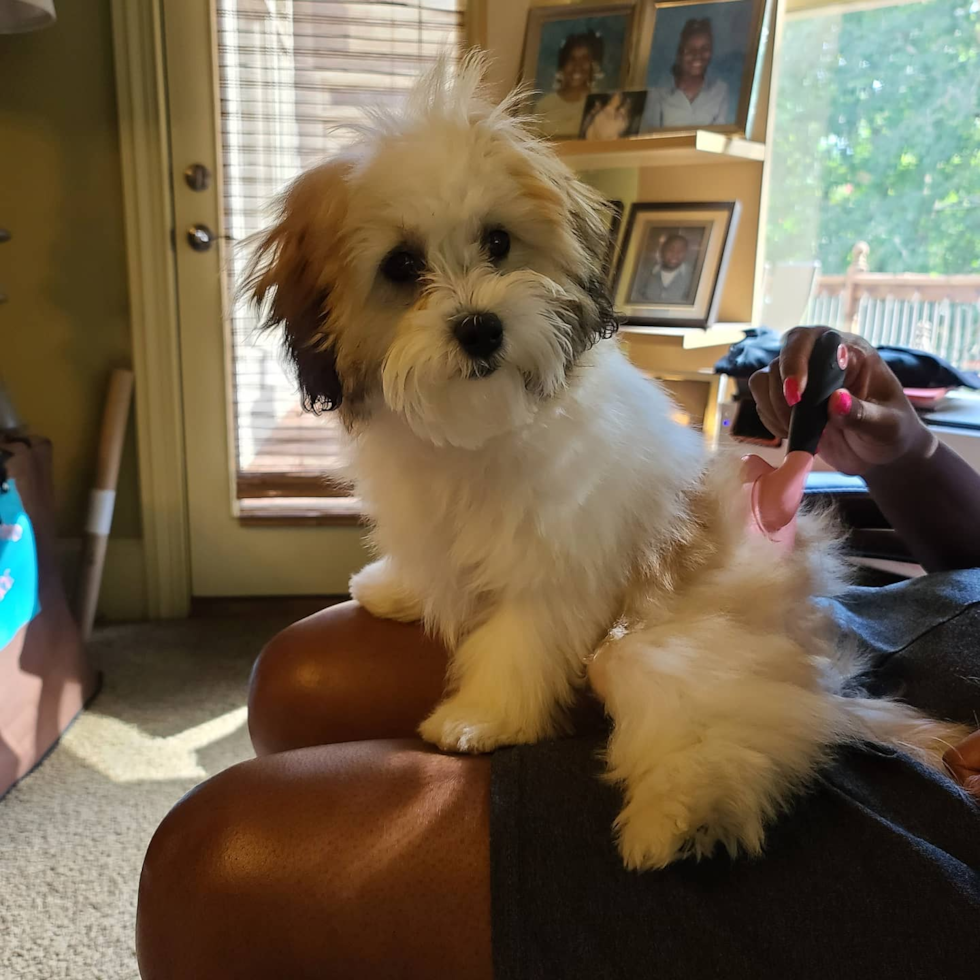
pixel 652 837
pixel 657 830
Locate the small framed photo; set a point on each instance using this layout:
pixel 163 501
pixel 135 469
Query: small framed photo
pixel 571 51
pixel 673 262
pixel 698 59
pixel 612 115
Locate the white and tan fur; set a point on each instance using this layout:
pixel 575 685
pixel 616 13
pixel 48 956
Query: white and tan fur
pixel 535 513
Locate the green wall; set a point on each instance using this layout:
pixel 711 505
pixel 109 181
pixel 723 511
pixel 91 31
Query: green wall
pixel 65 324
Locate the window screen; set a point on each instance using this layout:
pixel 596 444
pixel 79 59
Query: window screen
pixel 291 72
pixel 874 183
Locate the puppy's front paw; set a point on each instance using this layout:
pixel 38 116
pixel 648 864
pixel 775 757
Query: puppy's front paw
pixel 382 593
pixel 459 725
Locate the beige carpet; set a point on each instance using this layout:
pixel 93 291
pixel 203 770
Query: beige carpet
pixel 73 833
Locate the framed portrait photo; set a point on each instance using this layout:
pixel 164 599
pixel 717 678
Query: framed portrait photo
pixel 612 115
pixel 673 261
pixel 697 60
pixel 571 51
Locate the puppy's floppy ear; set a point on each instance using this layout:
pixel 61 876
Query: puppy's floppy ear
pixel 293 272
pixel 576 213
pixel 588 211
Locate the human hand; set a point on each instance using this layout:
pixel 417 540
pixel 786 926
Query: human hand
pixel 611 122
pixel 963 761
pixel 870 421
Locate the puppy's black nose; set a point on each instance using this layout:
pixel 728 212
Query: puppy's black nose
pixel 479 334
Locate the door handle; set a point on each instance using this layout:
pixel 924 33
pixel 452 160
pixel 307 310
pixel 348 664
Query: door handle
pixel 200 237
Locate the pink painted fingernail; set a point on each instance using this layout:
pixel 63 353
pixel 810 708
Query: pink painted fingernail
pixel 842 357
pixel 840 402
pixel 791 391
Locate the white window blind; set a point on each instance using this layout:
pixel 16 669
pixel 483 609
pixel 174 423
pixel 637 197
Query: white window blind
pixel 290 73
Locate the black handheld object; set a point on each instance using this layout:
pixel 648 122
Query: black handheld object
pixel 825 374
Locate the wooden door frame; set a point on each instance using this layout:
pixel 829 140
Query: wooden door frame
pixel 148 214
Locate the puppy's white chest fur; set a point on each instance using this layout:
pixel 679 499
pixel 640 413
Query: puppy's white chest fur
pixel 551 511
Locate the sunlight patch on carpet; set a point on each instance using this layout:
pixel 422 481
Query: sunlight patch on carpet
pixel 124 753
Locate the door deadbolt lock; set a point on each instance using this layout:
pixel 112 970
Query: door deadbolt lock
pixel 197 177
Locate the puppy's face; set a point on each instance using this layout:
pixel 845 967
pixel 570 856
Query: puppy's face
pixel 447 267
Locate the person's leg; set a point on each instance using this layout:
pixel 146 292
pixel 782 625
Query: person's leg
pixel 368 859
pixel 342 675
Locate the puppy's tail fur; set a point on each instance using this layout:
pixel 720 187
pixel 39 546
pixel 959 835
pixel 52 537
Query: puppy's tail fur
pixel 884 721
pixel 902 727
pixel 881 720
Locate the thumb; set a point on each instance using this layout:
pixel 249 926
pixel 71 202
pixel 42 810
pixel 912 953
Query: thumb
pixel 844 411
pixel 966 753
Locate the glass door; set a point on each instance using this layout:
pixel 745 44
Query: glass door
pixel 258 91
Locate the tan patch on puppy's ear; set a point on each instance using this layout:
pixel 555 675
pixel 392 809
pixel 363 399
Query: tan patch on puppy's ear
pixel 560 198
pixel 534 187
pixel 294 270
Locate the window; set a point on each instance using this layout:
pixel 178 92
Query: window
pixel 290 73
pixel 876 170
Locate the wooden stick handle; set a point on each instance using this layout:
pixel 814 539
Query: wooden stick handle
pixel 114 419
pixel 102 501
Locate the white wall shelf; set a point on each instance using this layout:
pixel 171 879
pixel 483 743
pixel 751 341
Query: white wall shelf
pixel 685 149
pixel 689 338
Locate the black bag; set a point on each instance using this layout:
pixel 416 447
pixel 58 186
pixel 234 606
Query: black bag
pixel 913 368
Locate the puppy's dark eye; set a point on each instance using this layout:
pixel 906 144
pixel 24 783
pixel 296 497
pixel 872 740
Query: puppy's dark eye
pixel 402 265
pixel 497 244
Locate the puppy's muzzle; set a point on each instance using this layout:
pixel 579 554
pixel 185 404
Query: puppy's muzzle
pixel 480 335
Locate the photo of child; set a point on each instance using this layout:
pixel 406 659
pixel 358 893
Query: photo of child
pixel 572 53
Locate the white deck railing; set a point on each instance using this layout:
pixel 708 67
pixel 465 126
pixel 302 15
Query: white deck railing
pixel 940 314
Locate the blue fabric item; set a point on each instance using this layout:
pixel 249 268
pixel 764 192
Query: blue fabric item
pixel 874 874
pixel 19 602
pixel 920 369
pixel 824 480
pixel 760 346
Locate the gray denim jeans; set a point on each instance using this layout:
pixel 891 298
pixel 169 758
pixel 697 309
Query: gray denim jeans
pixel 874 874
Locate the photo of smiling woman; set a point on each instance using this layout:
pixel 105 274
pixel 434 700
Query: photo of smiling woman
pixel 696 73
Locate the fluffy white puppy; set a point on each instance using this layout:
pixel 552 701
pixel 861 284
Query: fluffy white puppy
pixel 439 284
